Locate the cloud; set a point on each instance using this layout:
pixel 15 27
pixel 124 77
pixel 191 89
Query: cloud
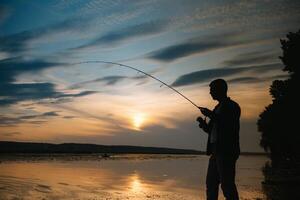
pixel 52 113
pixel 107 80
pixel 246 15
pixel 256 57
pixel 182 50
pixel 194 46
pixel 17 42
pixel 12 67
pixel 107 118
pixel 15 92
pixel 116 36
pixel 80 94
pixel 283 76
pixel 210 74
pixel 251 79
pixel 247 79
pixel 9 134
pixel 69 117
pixel 12 121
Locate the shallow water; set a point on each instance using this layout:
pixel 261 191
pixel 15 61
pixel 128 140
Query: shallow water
pixel 137 177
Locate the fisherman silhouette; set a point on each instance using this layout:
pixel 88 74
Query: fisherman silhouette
pixel 223 142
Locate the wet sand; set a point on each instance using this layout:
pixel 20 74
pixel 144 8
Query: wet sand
pixel 137 177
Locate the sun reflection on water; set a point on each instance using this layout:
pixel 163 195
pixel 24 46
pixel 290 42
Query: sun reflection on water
pixel 135 183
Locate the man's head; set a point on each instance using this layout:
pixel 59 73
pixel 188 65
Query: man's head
pixel 218 89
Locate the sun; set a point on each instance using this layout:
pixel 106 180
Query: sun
pixel 138 120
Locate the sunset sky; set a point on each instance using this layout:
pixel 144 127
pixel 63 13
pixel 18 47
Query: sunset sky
pixel 46 97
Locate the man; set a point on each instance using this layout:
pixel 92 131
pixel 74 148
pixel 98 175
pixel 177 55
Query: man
pixel 223 142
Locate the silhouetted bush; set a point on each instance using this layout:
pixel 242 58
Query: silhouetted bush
pixel 278 124
pixel 279 121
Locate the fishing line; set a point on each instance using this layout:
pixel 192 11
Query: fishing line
pixel 138 70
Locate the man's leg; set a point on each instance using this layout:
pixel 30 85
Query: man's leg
pixel 212 180
pixel 226 168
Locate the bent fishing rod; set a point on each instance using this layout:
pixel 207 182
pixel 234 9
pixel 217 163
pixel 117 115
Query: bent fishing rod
pixel 140 71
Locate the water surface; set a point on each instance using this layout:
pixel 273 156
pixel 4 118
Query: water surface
pixel 136 177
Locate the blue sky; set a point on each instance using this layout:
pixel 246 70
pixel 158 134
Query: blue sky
pixel 46 97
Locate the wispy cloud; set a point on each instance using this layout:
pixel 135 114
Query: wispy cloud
pixel 80 94
pixel 194 46
pixel 182 50
pixel 248 79
pixel 9 134
pixel 250 15
pixel 131 32
pixel 252 79
pixel 12 121
pixel 209 74
pixel 107 80
pixel 256 57
pixel 18 42
pixel 12 67
pixel 15 92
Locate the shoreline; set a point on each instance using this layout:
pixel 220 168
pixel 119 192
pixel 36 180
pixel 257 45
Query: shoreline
pixel 98 156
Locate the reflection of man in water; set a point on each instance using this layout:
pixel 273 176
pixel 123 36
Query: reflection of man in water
pixel 223 142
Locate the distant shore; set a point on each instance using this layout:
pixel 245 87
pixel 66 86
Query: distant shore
pixel 26 148
pixel 77 148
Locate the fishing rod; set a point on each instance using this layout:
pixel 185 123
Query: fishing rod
pixel 140 71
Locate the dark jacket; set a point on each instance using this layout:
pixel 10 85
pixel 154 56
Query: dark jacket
pixel 227 120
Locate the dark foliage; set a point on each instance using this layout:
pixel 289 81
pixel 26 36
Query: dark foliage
pixel 279 121
pixel 279 126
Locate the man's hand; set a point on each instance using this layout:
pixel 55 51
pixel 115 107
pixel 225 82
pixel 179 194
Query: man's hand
pixel 201 122
pixel 206 111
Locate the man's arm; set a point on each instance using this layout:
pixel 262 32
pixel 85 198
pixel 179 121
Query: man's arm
pixel 208 113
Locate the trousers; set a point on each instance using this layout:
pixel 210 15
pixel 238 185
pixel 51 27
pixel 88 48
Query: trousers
pixel 221 170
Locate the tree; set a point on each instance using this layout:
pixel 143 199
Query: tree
pixel 278 123
pixel 279 127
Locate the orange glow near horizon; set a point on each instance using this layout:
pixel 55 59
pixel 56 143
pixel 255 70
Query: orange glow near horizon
pixel 109 116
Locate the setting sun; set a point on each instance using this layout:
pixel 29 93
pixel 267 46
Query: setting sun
pixel 138 120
